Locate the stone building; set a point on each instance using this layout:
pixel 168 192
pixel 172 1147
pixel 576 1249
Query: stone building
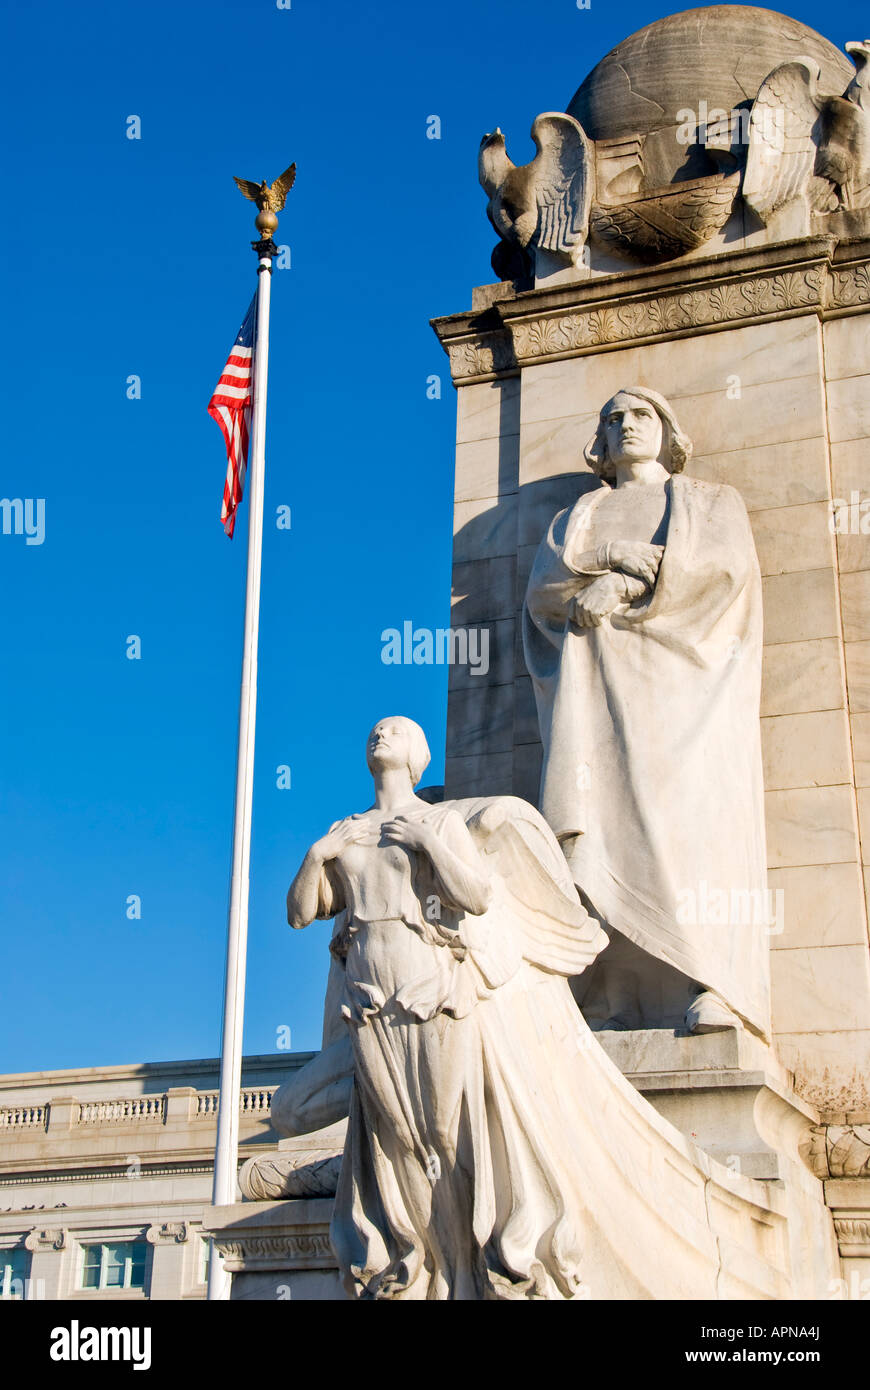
pixel 105 1174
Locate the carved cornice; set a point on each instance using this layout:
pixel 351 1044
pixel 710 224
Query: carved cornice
pixel 850 287
pixel 45 1239
pixel 723 292
pixel 853 1236
pixel 280 1250
pixel 485 355
pixel 168 1233
pixel 108 1172
pixel 839 1151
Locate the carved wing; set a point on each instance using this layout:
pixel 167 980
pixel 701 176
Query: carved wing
pixel 536 901
pixel 281 187
pixel 562 172
pixel 250 190
pixel 783 138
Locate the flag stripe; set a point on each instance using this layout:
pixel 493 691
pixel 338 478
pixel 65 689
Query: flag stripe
pixel 230 408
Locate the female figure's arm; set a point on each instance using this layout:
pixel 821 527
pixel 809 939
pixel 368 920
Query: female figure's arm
pixel 313 892
pixel 458 866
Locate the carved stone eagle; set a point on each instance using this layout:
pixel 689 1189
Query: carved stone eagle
pixel 543 205
pixel 807 147
pixel 268 197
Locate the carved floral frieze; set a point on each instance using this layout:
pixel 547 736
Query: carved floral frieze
pixel 851 286
pixel 283 1250
pixel 643 318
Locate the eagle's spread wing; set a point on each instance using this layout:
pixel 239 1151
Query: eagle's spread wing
pixel 563 182
pixel 250 190
pixel 784 130
pixel 281 187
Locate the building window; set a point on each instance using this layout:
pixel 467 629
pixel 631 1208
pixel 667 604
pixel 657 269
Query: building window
pixel 13 1273
pixel 119 1266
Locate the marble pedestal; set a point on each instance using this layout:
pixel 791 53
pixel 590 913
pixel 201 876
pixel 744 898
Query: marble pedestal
pixel 725 1091
pixel 729 1094
pixel 277 1250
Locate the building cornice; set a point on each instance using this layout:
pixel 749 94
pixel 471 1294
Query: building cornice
pixel 133 1071
pixel 814 275
pixel 67 1170
pixel 278 1236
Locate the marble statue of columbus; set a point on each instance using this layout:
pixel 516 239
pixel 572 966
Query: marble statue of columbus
pixel 642 635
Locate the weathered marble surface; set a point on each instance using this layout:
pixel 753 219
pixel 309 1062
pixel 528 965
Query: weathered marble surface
pixel 642 635
pixel 727 1095
pixel 764 356
pixel 722 124
pixel 482 1111
pixel 720 52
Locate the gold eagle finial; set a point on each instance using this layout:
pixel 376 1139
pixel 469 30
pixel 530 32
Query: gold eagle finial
pixel 268 197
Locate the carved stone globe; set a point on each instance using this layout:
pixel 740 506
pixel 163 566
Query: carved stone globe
pixel 718 55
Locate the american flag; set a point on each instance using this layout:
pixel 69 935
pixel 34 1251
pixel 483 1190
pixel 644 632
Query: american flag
pixel 230 406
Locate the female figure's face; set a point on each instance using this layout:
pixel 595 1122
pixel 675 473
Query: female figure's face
pixel 389 745
pixel 632 430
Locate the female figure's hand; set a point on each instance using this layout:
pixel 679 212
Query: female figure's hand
pixel 413 834
pixel 330 846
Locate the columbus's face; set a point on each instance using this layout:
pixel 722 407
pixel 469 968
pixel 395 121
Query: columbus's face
pixel 632 430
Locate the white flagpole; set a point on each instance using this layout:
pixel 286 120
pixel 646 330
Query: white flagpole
pixel 227 1145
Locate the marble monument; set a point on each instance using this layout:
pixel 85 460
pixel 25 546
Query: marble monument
pixel 492 1149
pixel 679 681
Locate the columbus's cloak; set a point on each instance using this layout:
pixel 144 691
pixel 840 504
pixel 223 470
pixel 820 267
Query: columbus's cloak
pixel 652 776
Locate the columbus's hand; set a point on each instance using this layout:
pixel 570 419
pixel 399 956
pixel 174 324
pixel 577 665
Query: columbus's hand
pixel 637 558
pixel 598 600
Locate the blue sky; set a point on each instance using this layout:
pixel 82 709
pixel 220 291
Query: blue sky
pixel 131 257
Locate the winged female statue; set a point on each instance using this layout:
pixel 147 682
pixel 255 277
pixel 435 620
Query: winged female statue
pixel 493 1151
